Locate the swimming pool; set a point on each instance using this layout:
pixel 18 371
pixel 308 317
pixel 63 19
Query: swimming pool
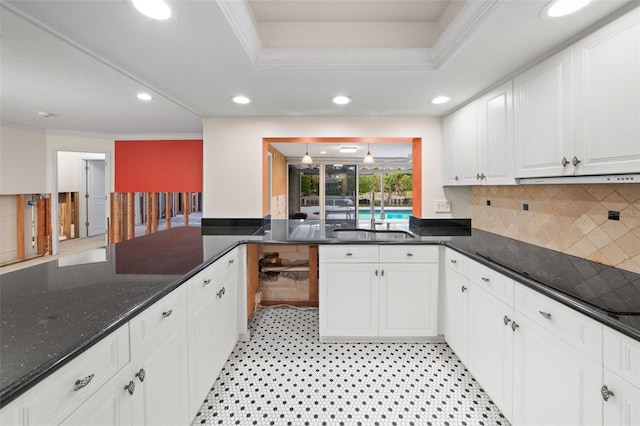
pixel 390 213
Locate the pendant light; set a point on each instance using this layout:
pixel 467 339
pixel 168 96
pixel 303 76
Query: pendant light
pixel 306 158
pixel 368 159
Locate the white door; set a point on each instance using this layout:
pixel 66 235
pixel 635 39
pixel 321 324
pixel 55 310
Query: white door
pixel 408 299
pixel 607 93
pixel 554 383
pixel 622 407
pixel 348 299
pixel 491 346
pixel 456 302
pixel 543 114
pixel 96 197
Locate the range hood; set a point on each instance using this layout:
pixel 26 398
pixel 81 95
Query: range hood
pixel 628 178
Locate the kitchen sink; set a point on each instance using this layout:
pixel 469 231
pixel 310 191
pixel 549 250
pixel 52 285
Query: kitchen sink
pixel 372 235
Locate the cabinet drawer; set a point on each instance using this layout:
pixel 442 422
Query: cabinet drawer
pixel 228 262
pixel 409 254
pixel 455 261
pixel 348 254
pixel 200 284
pixel 494 282
pixel 157 318
pixel 574 328
pixel 622 356
pixel 55 398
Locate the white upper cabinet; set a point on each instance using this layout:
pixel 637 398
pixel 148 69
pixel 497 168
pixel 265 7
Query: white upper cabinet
pixel 479 141
pixel 578 112
pixel 543 118
pixel 497 136
pixel 607 98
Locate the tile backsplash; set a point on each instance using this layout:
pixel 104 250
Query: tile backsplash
pixel 572 219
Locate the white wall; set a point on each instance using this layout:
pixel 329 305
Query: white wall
pixel 232 184
pixel 23 161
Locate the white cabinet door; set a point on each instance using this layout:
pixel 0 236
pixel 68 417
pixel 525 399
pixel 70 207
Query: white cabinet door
pixel 497 136
pixel 202 346
pixel 554 383
pixel 112 405
pixel 622 407
pixel 607 94
pixel 490 350
pixel 456 303
pixel 408 299
pixel 159 361
pixel 467 135
pixel 543 109
pixel 348 299
pixel 225 325
pixel 451 160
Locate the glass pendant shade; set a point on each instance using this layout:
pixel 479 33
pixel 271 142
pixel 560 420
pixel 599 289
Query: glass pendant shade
pixel 306 158
pixel 368 159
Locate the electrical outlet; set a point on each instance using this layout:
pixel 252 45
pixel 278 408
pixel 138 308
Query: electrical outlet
pixel 525 206
pixel 613 215
pixel 488 202
pixel 443 206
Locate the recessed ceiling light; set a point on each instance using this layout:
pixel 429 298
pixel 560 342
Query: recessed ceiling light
pixel 144 96
pixel 341 100
pixel 45 114
pixel 440 100
pixel 323 152
pixel 348 149
pixel 560 8
pixel 241 99
pixel 154 9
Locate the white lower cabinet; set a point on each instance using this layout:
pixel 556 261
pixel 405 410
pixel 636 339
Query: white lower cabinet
pixel 159 362
pixel 386 292
pixel 490 346
pixel 554 383
pixel 456 312
pixel 621 384
pixel 212 325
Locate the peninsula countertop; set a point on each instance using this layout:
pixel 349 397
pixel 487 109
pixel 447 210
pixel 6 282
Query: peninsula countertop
pixel 52 312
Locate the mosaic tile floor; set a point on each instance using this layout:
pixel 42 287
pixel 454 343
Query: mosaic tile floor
pixel 285 376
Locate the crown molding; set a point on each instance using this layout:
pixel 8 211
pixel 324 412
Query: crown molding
pixel 460 29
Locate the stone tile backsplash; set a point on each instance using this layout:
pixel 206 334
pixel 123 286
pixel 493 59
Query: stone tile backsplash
pixel 572 219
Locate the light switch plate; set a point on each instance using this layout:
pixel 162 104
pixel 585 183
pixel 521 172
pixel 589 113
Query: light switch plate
pixel 443 206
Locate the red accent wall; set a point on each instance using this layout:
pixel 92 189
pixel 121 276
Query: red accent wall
pixel 158 166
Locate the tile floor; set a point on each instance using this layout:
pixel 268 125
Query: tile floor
pixel 285 376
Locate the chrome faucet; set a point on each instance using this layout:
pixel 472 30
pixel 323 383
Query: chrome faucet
pixel 373 212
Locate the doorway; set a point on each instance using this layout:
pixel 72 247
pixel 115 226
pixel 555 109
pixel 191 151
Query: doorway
pixel 81 185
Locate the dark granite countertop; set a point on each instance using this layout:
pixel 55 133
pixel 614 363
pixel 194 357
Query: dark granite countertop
pixel 52 312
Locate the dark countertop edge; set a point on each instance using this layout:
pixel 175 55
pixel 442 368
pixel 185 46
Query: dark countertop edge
pixel 576 304
pixel 18 388
pixel 10 393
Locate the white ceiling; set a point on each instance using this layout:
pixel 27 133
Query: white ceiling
pixel 84 61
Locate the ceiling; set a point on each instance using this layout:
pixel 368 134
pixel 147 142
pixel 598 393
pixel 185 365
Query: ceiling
pixel 84 61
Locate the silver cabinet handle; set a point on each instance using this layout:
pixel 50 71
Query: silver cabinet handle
pixel 453 261
pixel 564 162
pixel 349 254
pixel 376 272
pixel 478 176
pixel 207 281
pixel 410 254
pixel 482 176
pixel 80 383
pixel 131 387
pixel 606 393
pixel 168 313
pixel 457 178
pixel 231 261
pixel 485 279
pixel 575 161
pixel 382 272
pixel 547 315
pixel 463 289
pixel 514 326
pixel 141 375
pixel 506 320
